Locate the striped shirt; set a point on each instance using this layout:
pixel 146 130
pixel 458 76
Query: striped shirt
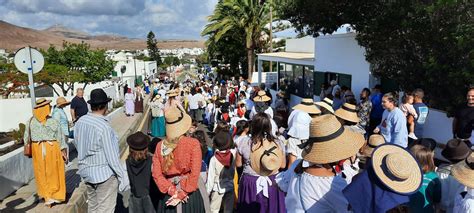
pixel 98 150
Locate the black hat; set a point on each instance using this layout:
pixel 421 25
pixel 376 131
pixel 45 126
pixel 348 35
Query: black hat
pixel 429 143
pixel 98 96
pixel 456 150
pixel 222 140
pixel 138 141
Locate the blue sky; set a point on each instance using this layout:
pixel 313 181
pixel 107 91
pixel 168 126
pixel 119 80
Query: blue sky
pixel 169 19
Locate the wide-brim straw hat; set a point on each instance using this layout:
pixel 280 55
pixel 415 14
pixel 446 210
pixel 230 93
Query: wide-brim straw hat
pixel 464 171
pixel 261 97
pixel 157 97
pixel 41 102
pixel 172 93
pixel 61 101
pixel 177 122
pixel 347 112
pixel 307 105
pixel 329 141
pixel 397 169
pixel 375 140
pixel 326 103
pixel 265 159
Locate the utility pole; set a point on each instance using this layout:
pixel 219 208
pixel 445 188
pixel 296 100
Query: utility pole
pixel 135 65
pixel 271 33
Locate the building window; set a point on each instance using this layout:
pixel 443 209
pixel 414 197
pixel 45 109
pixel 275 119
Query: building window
pixel 308 81
pixel 322 79
pixel 296 79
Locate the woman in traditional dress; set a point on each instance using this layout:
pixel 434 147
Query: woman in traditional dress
pixel 48 152
pixel 158 119
pixel 172 101
pixel 261 155
pixel 177 166
pixel 129 104
pixel 139 99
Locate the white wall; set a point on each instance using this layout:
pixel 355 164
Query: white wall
pixel 300 45
pixel 143 68
pixel 340 53
pixel 15 111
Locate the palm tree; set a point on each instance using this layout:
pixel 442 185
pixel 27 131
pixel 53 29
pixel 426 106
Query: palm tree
pixel 246 16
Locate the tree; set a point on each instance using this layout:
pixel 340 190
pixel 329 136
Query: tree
pixel 425 44
pixel 231 17
pixel 153 50
pixel 74 63
pixel 12 80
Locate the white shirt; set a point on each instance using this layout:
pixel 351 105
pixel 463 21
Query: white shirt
pixel 466 204
pixel 450 187
pixel 268 111
pixel 220 179
pixel 193 100
pixel 308 193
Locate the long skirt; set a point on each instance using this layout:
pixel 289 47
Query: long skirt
pixel 250 201
pixel 158 126
pixel 194 204
pixel 129 107
pixel 49 171
pixel 138 105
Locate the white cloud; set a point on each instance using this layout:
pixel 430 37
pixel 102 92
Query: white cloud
pixel 134 18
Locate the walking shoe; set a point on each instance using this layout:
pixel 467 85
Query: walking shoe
pixel 412 136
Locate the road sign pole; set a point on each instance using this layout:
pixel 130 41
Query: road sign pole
pixel 32 83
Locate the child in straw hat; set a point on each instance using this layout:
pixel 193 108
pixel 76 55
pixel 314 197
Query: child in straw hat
pixel 317 187
pixel 261 155
pixel 429 193
pixel 390 177
pixel 464 173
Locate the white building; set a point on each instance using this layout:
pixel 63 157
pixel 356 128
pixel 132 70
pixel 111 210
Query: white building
pixel 309 62
pixel 129 69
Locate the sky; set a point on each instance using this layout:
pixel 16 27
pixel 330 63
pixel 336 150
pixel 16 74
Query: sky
pixel 168 19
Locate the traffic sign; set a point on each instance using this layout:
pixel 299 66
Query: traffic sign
pixel 29 60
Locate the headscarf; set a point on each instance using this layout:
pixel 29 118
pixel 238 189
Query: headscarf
pixel 129 90
pixel 41 113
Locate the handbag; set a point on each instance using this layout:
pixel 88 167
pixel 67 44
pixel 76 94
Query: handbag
pixel 27 148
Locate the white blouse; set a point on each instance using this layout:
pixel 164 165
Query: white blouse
pixel 308 193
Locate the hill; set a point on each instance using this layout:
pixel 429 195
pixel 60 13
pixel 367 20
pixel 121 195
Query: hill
pixel 13 37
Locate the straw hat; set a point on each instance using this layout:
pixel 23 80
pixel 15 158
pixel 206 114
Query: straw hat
pixel 265 159
pixel 177 122
pixel 464 171
pixel 157 97
pixel 329 141
pixel 307 105
pixel 375 140
pixel 61 101
pixel 172 93
pixel 397 169
pixel 41 102
pixel 326 103
pixel 261 97
pixel 347 112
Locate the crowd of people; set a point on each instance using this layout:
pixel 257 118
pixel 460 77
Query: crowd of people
pixel 339 154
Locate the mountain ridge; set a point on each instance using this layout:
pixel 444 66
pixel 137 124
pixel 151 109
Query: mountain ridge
pixel 13 37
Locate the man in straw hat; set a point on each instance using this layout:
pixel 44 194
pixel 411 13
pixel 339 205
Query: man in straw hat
pixel 394 123
pixel 177 166
pixel 390 177
pixel 325 106
pixel 317 187
pixel 464 173
pixel 99 156
pixel 48 153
